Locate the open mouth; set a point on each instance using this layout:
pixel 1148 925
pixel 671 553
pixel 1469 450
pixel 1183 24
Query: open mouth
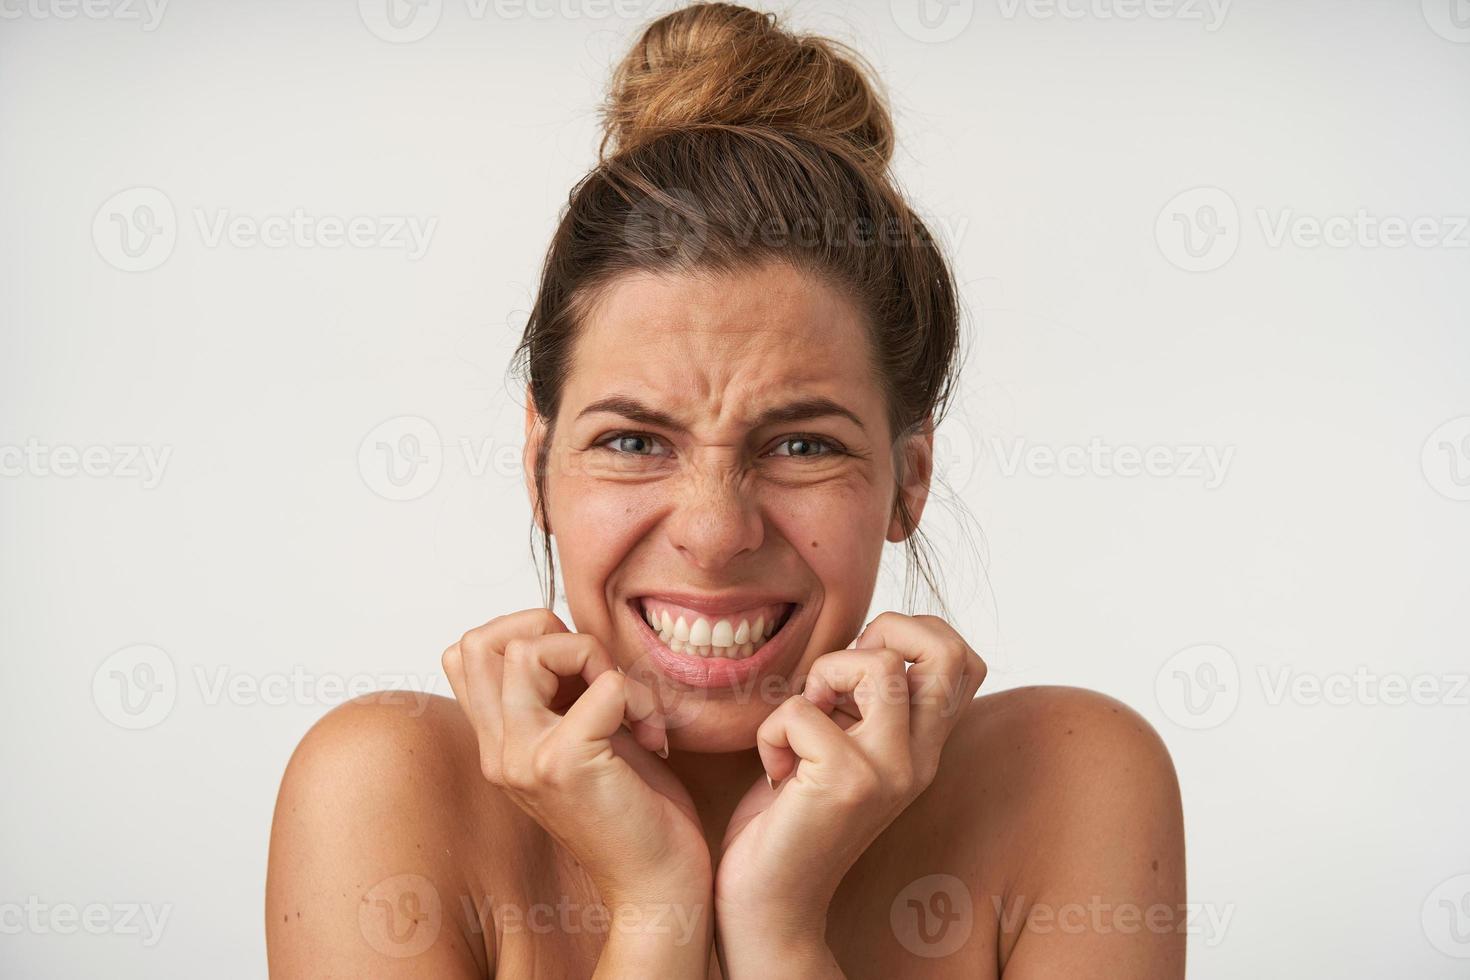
pixel 732 635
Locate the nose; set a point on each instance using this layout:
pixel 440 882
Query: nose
pixel 715 517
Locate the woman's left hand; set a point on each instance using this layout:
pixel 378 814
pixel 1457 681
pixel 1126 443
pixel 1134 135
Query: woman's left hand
pixel 868 735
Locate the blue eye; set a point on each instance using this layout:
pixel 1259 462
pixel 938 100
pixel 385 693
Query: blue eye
pixel 629 443
pixel 809 441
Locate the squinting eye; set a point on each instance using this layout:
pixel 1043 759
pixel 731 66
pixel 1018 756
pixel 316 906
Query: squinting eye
pixel 808 442
pixel 629 443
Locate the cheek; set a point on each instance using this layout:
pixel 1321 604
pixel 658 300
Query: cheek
pixel 595 526
pixel 839 536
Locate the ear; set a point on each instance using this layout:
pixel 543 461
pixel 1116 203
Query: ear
pixel 535 432
pixel 916 461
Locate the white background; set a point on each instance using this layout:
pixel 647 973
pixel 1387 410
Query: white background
pixel 264 568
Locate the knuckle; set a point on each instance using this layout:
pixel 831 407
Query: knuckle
pixel 887 618
pixel 890 661
pixel 903 782
pixel 978 670
pixel 613 682
pixel 546 767
pixel 491 763
pixel 862 785
pixel 477 640
pixel 517 650
pixel 516 775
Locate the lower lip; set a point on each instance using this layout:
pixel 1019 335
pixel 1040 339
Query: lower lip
pixel 712 672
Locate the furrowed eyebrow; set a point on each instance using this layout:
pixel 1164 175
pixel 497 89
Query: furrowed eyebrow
pixel 797 411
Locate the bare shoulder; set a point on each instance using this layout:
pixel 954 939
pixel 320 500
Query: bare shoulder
pixel 1075 805
pixel 1065 742
pixel 380 813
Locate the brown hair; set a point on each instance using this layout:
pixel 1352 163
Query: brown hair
pixel 728 142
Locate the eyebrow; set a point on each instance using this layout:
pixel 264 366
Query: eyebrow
pixel 797 411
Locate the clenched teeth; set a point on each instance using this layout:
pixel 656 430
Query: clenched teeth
pixel 700 636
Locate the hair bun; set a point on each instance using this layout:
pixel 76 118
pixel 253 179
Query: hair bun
pixel 723 64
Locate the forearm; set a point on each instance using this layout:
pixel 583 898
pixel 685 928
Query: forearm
pixel 666 939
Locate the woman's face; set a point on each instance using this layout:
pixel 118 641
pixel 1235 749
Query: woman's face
pixel 722 454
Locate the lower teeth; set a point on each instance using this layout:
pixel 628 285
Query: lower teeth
pixel 729 653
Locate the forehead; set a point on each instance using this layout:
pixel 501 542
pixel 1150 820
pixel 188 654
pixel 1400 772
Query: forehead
pixel 733 341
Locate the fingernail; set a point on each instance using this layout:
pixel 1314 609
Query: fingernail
pixel 663 753
pixel 773 783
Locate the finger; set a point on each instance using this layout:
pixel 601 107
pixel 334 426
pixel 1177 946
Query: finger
pixel 465 661
pixel 611 699
pixel 535 670
pixel 452 660
pixel 529 624
pixel 479 695
pixel 945 676
pixel 872 681
pixel 799 731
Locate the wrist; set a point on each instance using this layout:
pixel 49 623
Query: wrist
pixel 744 955
pixel 658 938
pixel 790 921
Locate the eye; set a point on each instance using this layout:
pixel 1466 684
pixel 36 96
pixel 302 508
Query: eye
pixel 808 447
pixel 630 444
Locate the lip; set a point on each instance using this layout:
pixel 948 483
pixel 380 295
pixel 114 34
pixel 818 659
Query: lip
pixel 716 672
pixel 721 605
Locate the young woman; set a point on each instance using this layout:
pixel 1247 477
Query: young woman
pixel 742 340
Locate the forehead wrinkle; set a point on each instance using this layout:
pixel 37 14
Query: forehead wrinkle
pixel 735 348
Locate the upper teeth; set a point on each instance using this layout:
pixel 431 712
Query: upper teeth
pixel 735 639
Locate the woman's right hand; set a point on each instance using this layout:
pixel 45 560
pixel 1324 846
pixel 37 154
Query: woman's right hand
pixel 597 789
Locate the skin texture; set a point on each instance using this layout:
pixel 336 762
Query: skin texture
pixel 527 828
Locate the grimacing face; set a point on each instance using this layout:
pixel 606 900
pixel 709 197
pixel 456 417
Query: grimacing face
pixel 677 486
